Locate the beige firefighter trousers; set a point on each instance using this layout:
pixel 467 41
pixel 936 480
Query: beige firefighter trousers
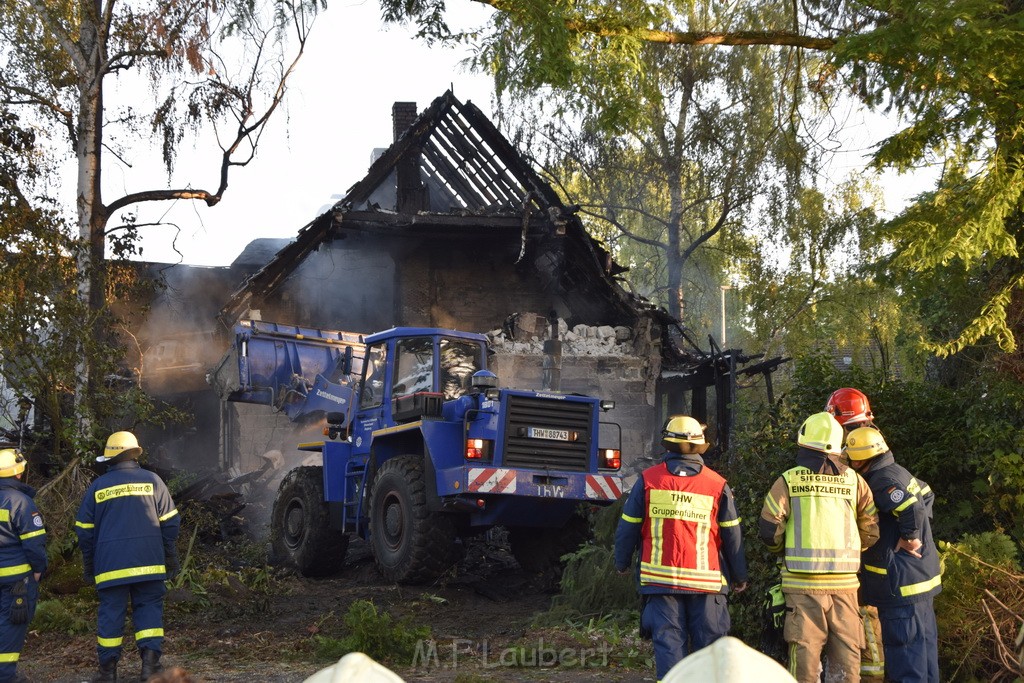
pixel 828 624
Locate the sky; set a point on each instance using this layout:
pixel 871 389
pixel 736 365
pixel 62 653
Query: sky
pixel 338 109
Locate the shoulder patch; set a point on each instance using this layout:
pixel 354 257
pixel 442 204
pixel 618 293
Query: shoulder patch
pixel 37 519
pixel 896 495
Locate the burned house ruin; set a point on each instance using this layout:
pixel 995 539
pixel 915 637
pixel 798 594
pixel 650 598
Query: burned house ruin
pixel 451 227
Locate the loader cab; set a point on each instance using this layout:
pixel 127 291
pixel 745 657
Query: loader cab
pixel 409 372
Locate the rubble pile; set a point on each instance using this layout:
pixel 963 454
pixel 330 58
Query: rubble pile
pixel 525 333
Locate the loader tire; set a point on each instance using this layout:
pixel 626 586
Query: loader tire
pixel 541 550
pixel 300 531
pixel 410 543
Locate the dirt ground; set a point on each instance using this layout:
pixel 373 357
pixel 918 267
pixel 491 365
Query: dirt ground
pixel 475 618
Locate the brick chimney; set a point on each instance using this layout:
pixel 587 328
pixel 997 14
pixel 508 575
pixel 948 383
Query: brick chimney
pixel 411 193
pixel 402 116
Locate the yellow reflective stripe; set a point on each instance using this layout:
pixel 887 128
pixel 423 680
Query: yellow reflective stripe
pixel 129 572
pixel 709 581
pixel 32 534
pixel 631 520
pixel 704 574
pixel 121 490
pixel 918 588
pixel 8 657
pixel 875 664
pixel 702 541
pixel 792 659
pixel 656 524
pixel 876 570
pixel 913 487
pixel 819 581
pixel 907 503
pixel 731 522
pixel 16 569
pixel 169 515
pixel 871 509
pixel 84 525
pixel 110 642
pixel 5 515
pixel 149 633
pixel 772 506
pixel 925 491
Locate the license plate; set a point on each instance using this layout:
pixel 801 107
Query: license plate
pixel 553 434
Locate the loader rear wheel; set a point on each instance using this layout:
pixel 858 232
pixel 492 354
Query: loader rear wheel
pixel 410 543
pixel 541 550
pixel 300 530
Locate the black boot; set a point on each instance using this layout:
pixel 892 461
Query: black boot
pixel 107 672
pixel 150 663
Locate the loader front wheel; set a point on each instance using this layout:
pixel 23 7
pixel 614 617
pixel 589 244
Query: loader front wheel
pixel 300 531
pixel 410 543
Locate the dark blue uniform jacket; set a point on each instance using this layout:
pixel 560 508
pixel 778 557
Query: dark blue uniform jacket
pixel 22 534
pixel 904 511
pixel 125 522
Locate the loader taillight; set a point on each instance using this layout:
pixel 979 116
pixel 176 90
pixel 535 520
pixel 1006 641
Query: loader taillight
pixel 611 459
pixel 478 449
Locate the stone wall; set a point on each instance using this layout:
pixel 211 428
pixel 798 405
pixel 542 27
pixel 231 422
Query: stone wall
pixel 614 363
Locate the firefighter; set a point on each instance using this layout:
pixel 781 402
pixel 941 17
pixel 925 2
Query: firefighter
pixel 819 516
pixel 127 526
pixel 901 574
pixel 22 560
pixel 682 517
pixel 852 410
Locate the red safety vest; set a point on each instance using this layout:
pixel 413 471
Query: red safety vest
pixel 680 531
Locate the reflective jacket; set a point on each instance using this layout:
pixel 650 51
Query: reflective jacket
pixel 22 534
pixel 905 511
pixel 682 516
pixel 819 515
pixel 125 522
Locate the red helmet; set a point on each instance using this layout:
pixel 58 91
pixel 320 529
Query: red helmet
pixel 849 405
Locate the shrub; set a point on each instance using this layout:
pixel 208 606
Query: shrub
pixel 590 586
pixel 63 616
pixel 979 608
pixel 375 634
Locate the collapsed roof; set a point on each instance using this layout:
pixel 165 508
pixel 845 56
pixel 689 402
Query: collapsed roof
pixel 450 172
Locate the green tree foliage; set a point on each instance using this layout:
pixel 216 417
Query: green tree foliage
pixel 683 169
pixel 948 71
pixel 819 296
pixel 42 313
pixel 211 63
pixel 669 151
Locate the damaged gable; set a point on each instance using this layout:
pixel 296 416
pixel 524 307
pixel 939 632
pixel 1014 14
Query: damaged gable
pixel 451 175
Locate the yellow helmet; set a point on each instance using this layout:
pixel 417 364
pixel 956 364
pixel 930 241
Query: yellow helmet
pixel 120 444
pixel 683 429
pixel 865 443
pixel 12 462
pixel 821 432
